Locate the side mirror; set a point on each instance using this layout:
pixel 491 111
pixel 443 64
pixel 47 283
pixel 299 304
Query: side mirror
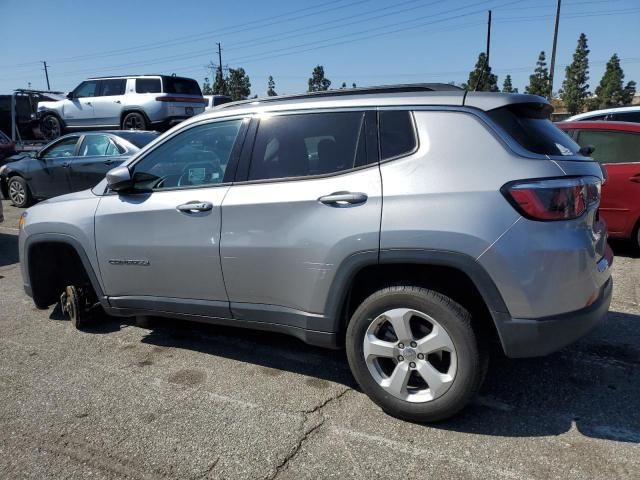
pixel 70 95
pixel 119 179
pixel 587 150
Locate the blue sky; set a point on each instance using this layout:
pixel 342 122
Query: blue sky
pixel 369 42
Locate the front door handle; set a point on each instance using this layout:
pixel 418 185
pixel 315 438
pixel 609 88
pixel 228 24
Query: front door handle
pixel 88 103
pixel 195 206
pixel 117 101
pixel 635 178
pixel 344 199
pixel 66 164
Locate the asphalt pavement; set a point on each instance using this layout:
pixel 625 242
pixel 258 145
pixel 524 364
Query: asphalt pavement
pixel 190 401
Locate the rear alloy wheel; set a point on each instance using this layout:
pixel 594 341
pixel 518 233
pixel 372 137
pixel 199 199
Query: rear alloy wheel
pixel 413 351
pixel 51 127
pixel 19 192
pixel 134 121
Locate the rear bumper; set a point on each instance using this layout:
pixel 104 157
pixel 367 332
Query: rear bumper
pixel 536 337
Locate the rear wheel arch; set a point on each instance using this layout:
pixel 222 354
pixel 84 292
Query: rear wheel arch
pixel 455 275
pixel 54 261
pixel 126 112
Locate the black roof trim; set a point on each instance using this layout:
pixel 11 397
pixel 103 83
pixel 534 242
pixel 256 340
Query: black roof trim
pixel 400 88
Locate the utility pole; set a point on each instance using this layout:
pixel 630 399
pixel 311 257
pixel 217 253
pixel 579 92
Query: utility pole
pixel 224 89
pixel 488 38
pixel 553 52
pixel 46 73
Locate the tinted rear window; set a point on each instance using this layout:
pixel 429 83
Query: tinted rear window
pixel 185 86
pixel 532 129
pixel 148 85
pixel 396 133
pixel 139 139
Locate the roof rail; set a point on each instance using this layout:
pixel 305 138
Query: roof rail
pixel 400 88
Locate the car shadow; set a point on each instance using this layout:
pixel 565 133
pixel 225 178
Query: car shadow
pixel 592 386
pixel 623 248
pixel 8 249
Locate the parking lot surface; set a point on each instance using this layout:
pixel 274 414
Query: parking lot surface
pixel 183 400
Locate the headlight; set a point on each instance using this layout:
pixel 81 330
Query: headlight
pixel 22 220
pixel 2 169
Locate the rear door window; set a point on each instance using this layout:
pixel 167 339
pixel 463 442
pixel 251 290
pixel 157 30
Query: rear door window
pixel 148 85
pixel 611 147
pixel 308 144
pixel 532 130
pixel 113 87
pixel 626 117
pixel 397 136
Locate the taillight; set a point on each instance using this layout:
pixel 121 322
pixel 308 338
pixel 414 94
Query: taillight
pixel 553 199
pixel 181 99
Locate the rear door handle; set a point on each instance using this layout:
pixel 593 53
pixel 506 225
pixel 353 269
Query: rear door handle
pixel 66 164
pixel 344 199
pixel 635 178
pixel 88 103
pixel 195 206
pixel 116 101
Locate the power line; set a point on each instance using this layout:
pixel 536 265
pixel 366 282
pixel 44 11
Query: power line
pixel 238 28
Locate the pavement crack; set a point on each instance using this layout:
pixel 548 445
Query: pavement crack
pixel 332 398
pixel 309 414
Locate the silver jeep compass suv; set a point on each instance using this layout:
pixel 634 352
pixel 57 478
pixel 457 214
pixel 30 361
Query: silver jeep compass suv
pixel 413 225
pixel 143 102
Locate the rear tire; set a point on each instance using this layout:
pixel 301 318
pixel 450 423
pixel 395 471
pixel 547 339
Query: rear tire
pixel 19 192
pixel 431 378
pixel 134 121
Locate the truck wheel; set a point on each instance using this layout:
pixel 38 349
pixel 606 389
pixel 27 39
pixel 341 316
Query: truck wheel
pixel 79 305
pixel 19 192
pixel 51 127
pixel 414 353
pixel 134 121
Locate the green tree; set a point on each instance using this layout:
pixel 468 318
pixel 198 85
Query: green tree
pixel 318 82
pixel 344 85
pixel 353 85
pixel 238 84
pixel 611 92
pixel 539 82
pixel 575 88
pixel 206 87
pixel 271 87
pixel 481 78
pixel 219 82
pixel 507 86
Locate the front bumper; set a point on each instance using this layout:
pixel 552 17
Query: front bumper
pixel 537 337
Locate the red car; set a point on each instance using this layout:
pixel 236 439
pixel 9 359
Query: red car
pixel 617 148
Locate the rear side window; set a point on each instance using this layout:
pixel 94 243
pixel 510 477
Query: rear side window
pixel 113 87
pixel 184 86
pixel 612 147
pixel 626 117
pixel 533 130
pixel 148 85
pixel 308 144
pixel 397 136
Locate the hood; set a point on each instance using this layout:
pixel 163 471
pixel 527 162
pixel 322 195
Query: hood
pixel 48 105
pixel 69 197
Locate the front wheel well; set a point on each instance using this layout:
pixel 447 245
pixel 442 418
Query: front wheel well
pixel 448 281
pixel 52 266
